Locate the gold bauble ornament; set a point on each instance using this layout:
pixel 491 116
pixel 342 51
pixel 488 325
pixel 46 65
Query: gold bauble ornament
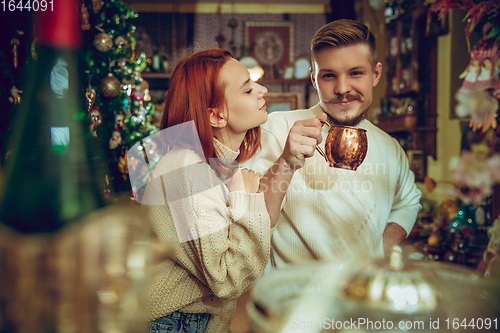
pixel 103 42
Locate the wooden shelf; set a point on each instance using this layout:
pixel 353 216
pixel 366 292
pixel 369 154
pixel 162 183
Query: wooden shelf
pixel 150 75
pixel 157 81
pixel 398 123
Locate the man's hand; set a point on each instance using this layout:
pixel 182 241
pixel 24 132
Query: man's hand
pixel 393 235
pixel 302 140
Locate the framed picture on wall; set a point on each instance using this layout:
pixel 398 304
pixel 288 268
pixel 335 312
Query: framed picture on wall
pixel 282 101
pixel 271 43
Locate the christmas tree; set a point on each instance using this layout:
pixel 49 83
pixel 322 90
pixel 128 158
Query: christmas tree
pixel 118 98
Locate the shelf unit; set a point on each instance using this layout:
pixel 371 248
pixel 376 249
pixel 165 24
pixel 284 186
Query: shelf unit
pixel 410 68
pixel 157 81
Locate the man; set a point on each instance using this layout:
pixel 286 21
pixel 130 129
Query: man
pixel 329 213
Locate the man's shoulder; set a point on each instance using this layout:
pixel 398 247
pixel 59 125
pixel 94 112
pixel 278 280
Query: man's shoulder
pixel 377 132
pixel 381 141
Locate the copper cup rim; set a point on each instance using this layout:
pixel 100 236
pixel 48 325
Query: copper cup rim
pixel 345 126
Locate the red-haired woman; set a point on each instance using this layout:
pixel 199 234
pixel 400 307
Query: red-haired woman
pixel 219 230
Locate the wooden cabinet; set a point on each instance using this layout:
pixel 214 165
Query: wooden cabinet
pixel 409 109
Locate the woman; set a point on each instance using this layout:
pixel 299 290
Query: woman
pixel 219 231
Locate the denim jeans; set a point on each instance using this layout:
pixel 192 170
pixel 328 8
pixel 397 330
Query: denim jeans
pixel 180 322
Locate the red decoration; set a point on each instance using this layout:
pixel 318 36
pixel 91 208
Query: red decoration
pixel 58 25
pixel 476 11
pixel 136 94
pixel 85 18
pixel 96 116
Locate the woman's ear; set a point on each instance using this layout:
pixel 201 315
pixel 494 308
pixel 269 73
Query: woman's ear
pixel 216 117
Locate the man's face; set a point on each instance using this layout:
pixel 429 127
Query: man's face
pixel 344 78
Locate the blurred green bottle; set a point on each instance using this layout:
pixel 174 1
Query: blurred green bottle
pixel 51 176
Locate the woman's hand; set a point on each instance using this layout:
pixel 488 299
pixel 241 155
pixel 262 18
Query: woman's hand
pixel 245 180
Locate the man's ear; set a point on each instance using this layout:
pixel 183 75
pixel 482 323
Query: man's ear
pixel 216 117
pixel 313 80
pixel 378 73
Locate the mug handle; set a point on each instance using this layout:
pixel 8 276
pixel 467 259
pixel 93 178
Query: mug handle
pixel 320 151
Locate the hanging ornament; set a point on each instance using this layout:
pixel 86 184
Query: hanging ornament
pixel 96 5
pixel 110 86
pixel 122 62
pixel 14 42
pixel 103 42
pixel 142 112
pixel 479 105
pixel 119 119
pixel 120 41
pixel 116 139
pixel 15 98
pixel 122 164
pixel 95 116
pixel 144 88
pixel 33 49
pixel 147 95
pixel 481 73
pixel 132 48
pixel 128 79
pixel 90 95
pixel 141 63
pixel 85 17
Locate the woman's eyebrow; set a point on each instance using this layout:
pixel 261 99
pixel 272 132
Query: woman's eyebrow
pixel 245 83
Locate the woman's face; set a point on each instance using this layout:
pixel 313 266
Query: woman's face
pixel 244 99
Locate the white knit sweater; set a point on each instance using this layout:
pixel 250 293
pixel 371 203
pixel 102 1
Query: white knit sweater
pixel 221 239
pixel 331 213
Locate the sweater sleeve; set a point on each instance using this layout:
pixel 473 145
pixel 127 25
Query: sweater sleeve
pixel 406 203
pixel 226 235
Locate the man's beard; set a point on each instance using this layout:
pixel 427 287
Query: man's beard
pixel 349 122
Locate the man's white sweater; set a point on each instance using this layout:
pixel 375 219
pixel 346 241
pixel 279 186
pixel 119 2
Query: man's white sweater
pixel 330 213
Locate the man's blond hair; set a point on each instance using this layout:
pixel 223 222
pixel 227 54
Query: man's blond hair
pixel 342 33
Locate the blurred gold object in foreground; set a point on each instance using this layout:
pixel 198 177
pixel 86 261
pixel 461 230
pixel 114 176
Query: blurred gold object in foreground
pixel 87 277
pixel 339 296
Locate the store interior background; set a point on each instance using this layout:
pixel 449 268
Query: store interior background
pixel 176 25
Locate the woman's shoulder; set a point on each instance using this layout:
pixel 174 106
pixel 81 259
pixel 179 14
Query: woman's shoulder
pixel 176 159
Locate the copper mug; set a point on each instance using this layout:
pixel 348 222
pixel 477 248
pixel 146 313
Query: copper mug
pixel 345 146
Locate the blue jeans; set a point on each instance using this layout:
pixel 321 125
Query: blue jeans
pixel 180 322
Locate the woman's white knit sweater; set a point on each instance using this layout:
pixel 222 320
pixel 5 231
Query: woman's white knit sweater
pixel 221 239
